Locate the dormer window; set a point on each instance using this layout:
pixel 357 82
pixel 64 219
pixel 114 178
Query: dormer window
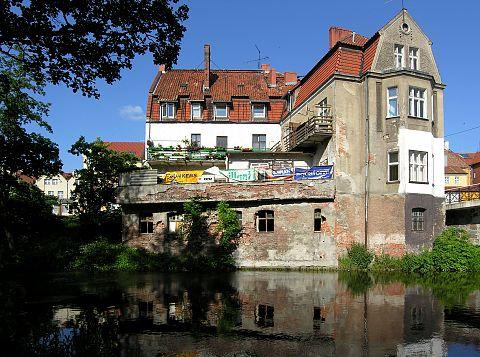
pixel 221 111
pixel 413 56
pixel 168 111
pixel 399 56
pixel 196 111
pixel 259 111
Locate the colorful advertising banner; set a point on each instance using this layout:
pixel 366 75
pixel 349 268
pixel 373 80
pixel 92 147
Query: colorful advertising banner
pixel 182 176
pixel 314 173
pixel 241 175
pixel 276 175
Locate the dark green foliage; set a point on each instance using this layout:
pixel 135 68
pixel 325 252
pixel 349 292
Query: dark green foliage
pixel 358 258
pixel 102 256
pixel 357 282
pixel 94 191
pixel 78 42
pixel 386 262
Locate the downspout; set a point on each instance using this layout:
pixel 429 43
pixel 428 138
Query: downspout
pixel 367 159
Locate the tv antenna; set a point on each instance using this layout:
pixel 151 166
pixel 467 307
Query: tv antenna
pixel 259 58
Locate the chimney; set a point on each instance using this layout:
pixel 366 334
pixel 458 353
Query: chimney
pixel 336 34
pixel 290 78
pixel 161 68
pixel 206 52
pixel 265 67
pixel 272 78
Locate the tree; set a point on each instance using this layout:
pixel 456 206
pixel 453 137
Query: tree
pixel 78 42
pixel 24 152
pixel 96 183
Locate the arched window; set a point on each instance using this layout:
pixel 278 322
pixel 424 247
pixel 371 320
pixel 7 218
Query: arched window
pixel 317 220
pixel 418 219
pixel 265 221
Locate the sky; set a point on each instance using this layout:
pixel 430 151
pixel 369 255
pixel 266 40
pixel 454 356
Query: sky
pixel 294 36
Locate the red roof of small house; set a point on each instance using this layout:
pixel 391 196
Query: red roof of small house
pixel 134 147
pixel 67 175
pixel 455 170
pixel 455 160
pixel 472 158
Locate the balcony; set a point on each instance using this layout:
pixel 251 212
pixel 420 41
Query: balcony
pixel 308 134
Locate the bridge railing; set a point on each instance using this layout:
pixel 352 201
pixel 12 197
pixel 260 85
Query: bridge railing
pixel 468 193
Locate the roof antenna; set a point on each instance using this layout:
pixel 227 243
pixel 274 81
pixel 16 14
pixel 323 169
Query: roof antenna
pixel 259 59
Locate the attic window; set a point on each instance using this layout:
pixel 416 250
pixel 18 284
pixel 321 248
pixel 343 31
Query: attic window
pixel 241 86
pixel 405 28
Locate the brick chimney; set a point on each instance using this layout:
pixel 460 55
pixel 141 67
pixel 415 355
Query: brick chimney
pixel 336 34
pixel 265 67
pixel 290 78
pixel 161 68
pixel 206 52
pixel 272 78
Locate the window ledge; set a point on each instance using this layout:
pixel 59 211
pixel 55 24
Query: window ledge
pixel 393 182
pixel 394 117
pixel 420 118
pixel 418 182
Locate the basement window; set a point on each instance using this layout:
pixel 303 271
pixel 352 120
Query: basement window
pixel 418 219
pixel 264 315
pixel 317 220
pixel 265 221
pixel 146 223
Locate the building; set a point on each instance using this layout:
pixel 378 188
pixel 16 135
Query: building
pixel 360 156
pixel 457 170
pixel 473 159
pixel 216 108
pixel 136 148
pixel 61 187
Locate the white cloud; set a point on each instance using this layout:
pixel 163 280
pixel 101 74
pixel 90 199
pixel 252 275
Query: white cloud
pixel 132 112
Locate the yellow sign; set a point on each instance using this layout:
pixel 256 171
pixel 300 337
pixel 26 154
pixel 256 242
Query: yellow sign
pixel 183 176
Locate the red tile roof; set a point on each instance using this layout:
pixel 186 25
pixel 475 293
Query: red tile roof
pixel 455 160
pixel 345 57
pixel 473 158
pixel 135 147
pixel 456 170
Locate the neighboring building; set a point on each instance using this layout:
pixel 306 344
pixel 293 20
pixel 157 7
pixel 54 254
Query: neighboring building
pixel 61 187
pixel 473 159
pixel 457 170
pixel 217 108
pixel 136 148
pixel 371 110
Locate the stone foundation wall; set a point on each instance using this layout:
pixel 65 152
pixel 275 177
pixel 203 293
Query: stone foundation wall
pixel 473 230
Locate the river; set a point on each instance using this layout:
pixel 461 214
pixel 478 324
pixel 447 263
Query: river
pixel 246 313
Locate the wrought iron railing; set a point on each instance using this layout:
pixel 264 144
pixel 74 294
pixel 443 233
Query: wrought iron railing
pixel 469 193
pixel 318 125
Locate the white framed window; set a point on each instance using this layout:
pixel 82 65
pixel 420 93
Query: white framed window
pixel 447 180
pixel 399 56
pixel 48 181
pixel 322 108
pixel 221 111
pixel 418 166
pixel 259 111
pixel 413 57
pixel 60 194
pixel 54 181
pixel 51 193
pixel 392 102
pixel 259 141
pixel 457 180
pixel 196 111
pixel 146 223
pixel 168 110
pixel 393 165
pixel 416 103
pixel 196 140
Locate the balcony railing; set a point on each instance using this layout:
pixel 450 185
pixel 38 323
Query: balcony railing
pixel 468 193
pixel 311 132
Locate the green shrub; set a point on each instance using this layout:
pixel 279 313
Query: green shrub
pixel 453 251
pixel 97 256
pixel 386 262
pixel 358 258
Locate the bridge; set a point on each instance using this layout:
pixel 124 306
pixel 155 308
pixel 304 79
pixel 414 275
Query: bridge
pixel 462 206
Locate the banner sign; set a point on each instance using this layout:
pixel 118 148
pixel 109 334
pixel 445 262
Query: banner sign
pixel 314 173
pixel 282 172
pixel 182 176
pixel 241 175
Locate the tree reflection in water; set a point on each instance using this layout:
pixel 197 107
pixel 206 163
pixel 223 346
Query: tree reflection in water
pixel 255 313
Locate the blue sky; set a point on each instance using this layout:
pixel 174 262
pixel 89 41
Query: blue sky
pixel 294 35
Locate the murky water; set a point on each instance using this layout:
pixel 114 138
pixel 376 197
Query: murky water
pixel 241 314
